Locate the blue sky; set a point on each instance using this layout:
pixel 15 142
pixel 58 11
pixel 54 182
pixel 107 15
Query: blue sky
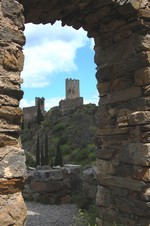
pixel 52 54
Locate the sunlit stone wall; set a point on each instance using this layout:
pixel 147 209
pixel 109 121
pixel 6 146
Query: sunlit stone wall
pixel 12 160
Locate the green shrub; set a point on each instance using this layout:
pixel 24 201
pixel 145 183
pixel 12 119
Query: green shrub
pixel 85 217
pixel 59 127
pixel 30 160
pixel 66 149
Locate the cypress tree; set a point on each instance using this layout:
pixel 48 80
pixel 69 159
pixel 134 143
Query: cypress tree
pixel 39 113
pixel 58 157
pixel 29 125
pixel 42 157
pixel 37 151
pixel 46 150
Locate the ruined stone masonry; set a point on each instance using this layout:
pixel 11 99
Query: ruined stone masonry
pixel 52 186
pixel 30 113
pixel 120 29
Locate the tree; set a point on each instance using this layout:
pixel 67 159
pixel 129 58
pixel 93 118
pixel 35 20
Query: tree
pixel 42 157
pixel 46 150
pixel 58 157
pixel 37 151
pixel 39 113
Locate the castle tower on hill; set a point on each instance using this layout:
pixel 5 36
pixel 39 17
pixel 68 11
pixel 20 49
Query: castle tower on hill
pixel 73 98
pixel 72 89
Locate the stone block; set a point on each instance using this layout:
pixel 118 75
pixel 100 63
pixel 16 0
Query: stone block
pixel 103 197
pixel 146 195
pixel 119 192
pixel 12 114
pixel 142 42
pixel 47 175
pixel 112 131
pixel 123 95
pixel 103 88
pixel 14 11
pixel 6 127
pixel 135 153
pixel 144 13
pixel 89 191
pixel 12 210
pixel 53 186
pixel 132 63
pixel 137 104
pixel 9 35
pixel 139 117
pixel 12 93
pixel 38 186
pixel 115 140
pixel 12 162
pixel 141 173
pixel 122 33
pixel 9 101
pixel 136 207
pixel 142 76
pixel 11 186
pixel 6 140
pixel 121 182
pixel 124 170
pixel 120 84
pixel 89 175
pixel 13 60
pixel 106 152
pixel 105 167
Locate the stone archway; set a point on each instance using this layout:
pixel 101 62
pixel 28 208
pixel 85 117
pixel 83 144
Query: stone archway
pixel 122 43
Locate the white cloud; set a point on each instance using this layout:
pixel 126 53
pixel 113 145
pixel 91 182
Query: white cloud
pixel 49 50
pixel 94 100
pixel 52 102
pixel 25 103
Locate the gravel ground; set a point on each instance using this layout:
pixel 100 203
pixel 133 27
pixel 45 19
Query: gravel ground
pixel 50 215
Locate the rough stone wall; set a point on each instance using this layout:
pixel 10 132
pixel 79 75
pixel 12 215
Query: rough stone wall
pixel 69 104
pixel 12 160
pixel 52 186
pixel 123 150
pixel 30 113
pixel 122 42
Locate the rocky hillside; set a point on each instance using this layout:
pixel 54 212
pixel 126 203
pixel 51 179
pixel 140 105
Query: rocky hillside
pixel 74 131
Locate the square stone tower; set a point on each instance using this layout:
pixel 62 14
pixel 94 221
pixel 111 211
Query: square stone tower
pixel 72 89
pixel 73 98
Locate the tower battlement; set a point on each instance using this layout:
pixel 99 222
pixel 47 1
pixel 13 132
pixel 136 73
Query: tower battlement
pixel 72 89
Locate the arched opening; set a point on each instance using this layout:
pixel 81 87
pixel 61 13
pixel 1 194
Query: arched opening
pixel 52 54
pixel 120 29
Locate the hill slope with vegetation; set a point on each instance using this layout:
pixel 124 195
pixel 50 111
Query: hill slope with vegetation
pixel 70 136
